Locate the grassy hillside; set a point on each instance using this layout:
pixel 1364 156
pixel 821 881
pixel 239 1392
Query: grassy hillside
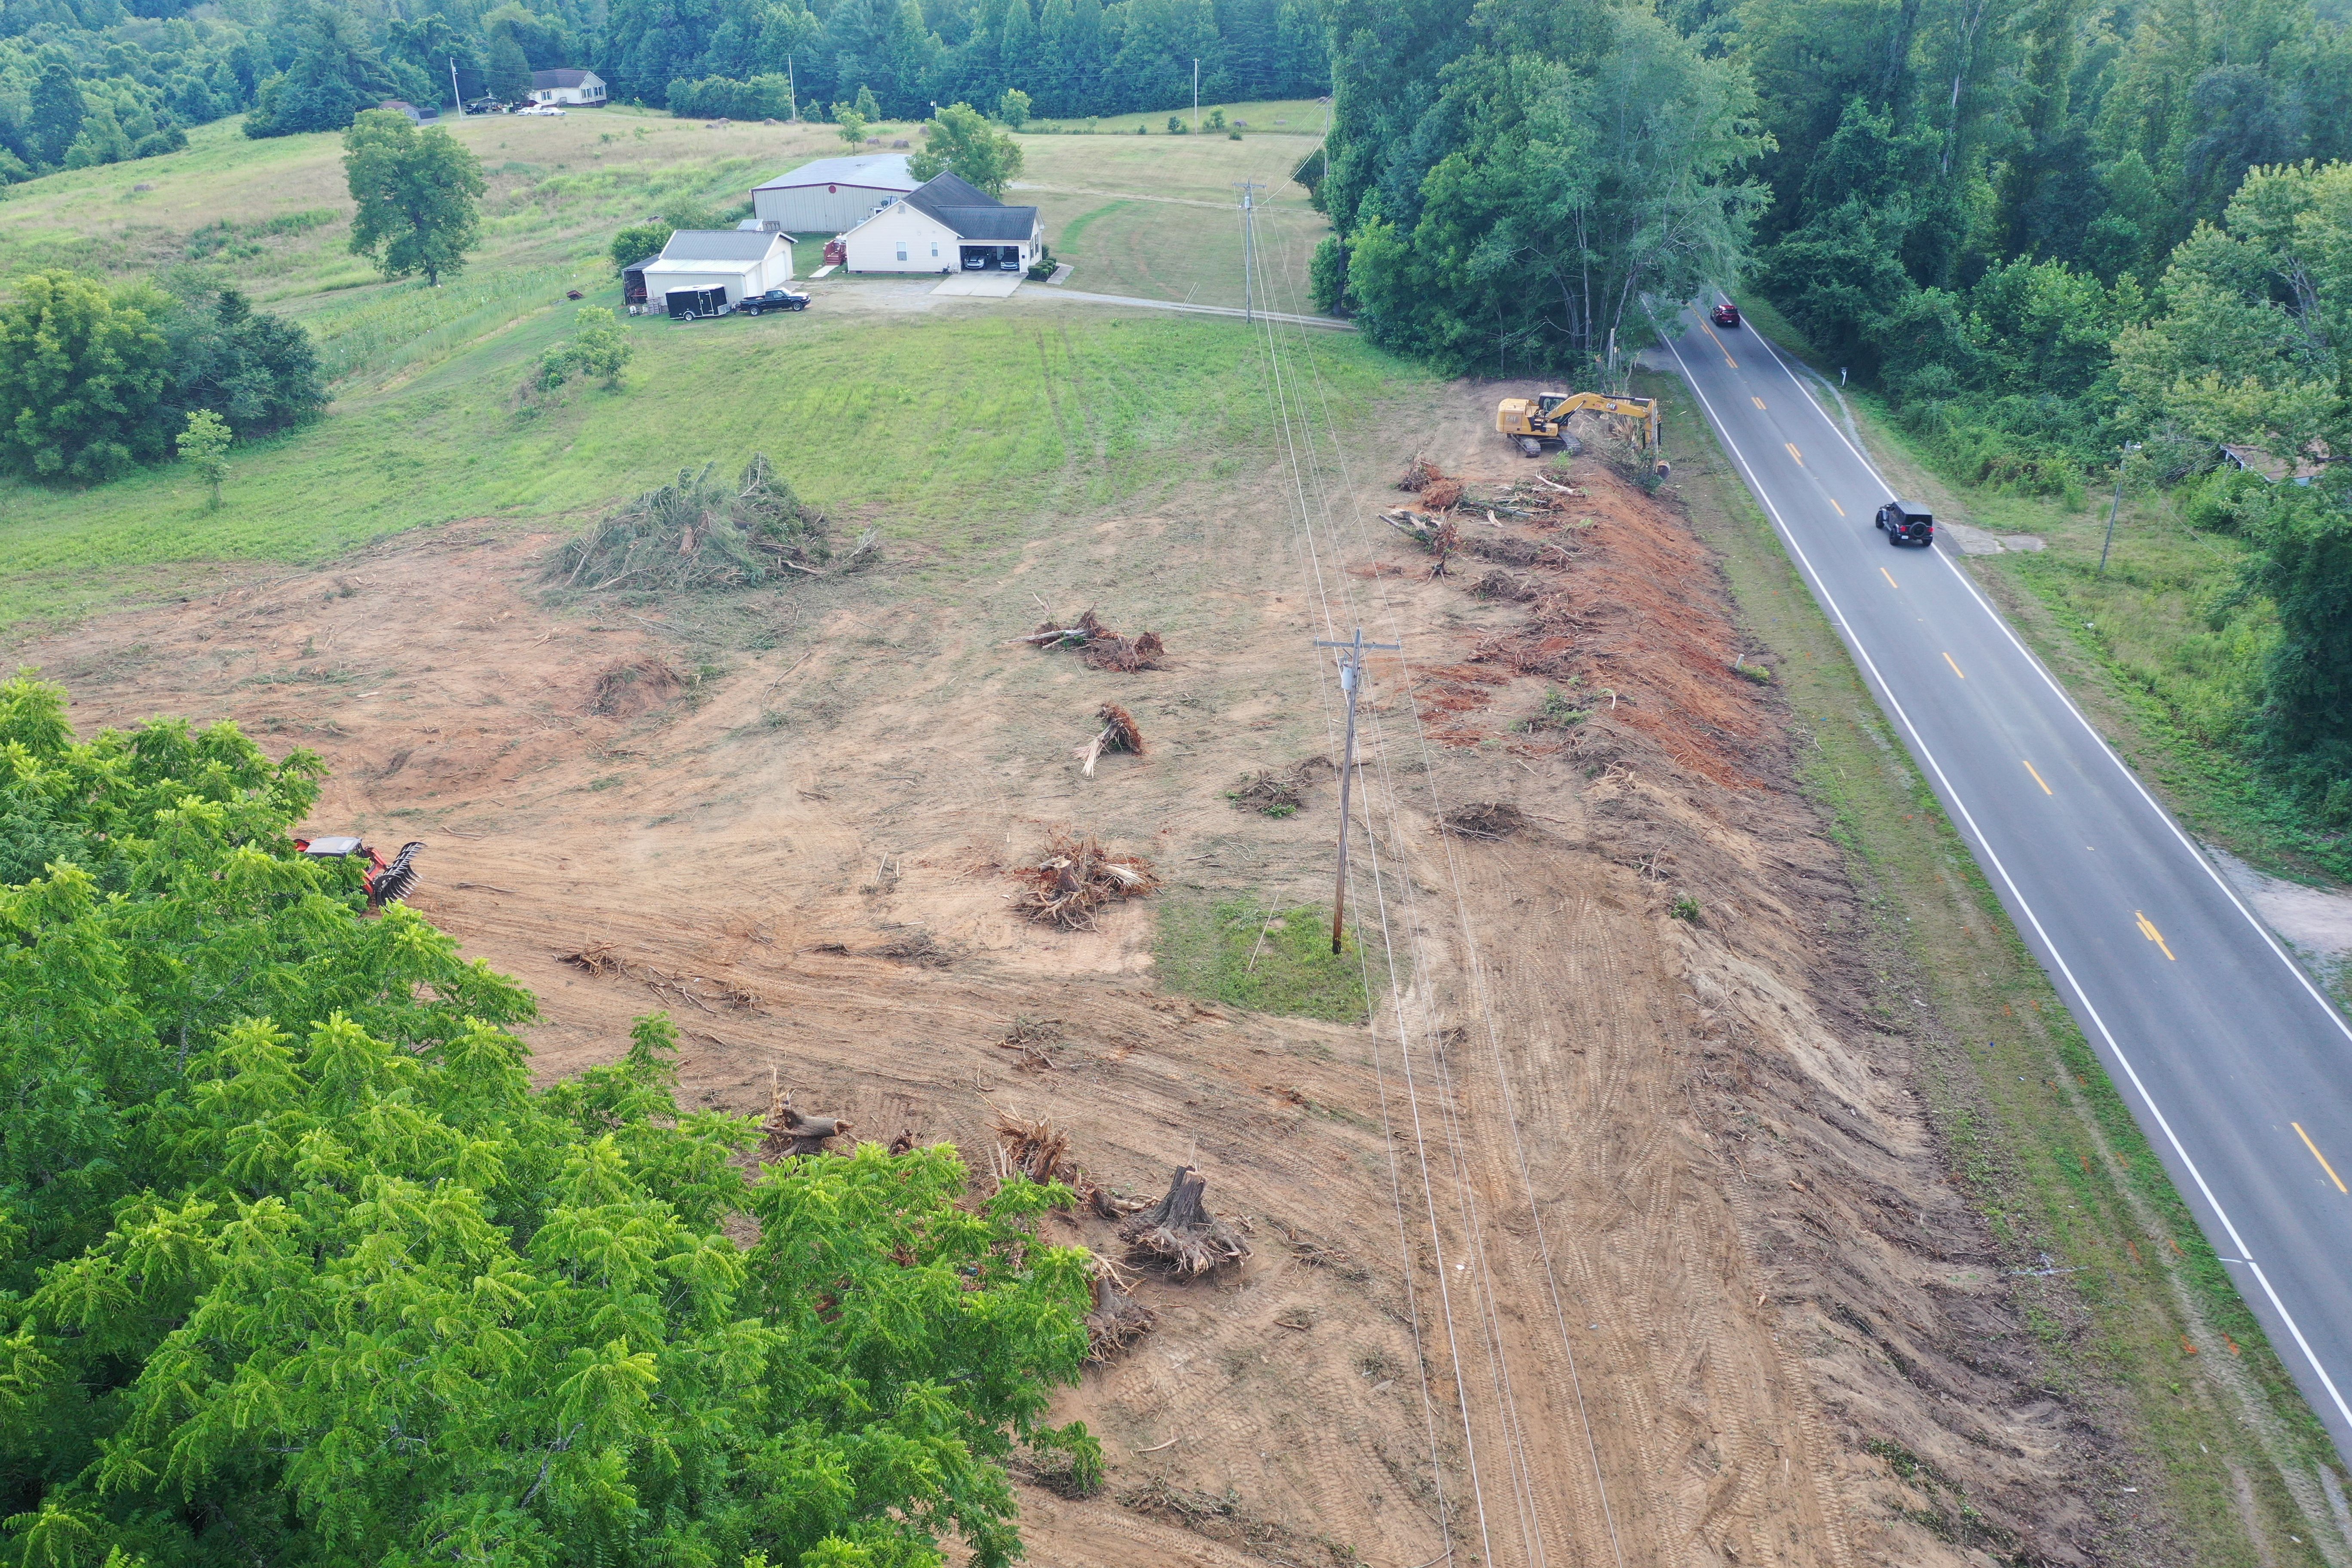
pixel 948 423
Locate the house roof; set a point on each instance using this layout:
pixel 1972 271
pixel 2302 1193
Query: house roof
pixel 870 171
pixel 971 212
pixel 717 245
pixel 641 266
pixel 541 81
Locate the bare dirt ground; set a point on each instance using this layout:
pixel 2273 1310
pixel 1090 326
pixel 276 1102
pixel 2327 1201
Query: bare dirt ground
pixel 1617 1237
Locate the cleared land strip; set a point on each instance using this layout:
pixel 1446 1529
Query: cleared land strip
pixel 1233 311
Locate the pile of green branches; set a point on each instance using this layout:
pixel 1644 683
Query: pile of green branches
pixel 699 533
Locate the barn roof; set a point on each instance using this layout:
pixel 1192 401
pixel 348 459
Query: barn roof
pixel 869 171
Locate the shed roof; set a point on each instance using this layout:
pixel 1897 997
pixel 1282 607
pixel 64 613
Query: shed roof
pixel 868 171
pixel 719 245
pixel 565 77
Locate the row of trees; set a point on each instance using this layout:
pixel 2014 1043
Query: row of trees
pixel 1071 57
pixel 296 1265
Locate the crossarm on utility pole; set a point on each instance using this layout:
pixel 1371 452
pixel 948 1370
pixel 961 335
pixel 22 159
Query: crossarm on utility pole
pixel 1352 672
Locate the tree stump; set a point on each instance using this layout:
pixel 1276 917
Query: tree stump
pixel 1179 1233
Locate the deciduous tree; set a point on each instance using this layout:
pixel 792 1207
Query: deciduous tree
pixel 82 371
pixel 416 190
pixel 204 447
pixel 959 138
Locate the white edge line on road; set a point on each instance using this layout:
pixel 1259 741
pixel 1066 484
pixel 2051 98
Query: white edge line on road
pixel 2204 864
pixel 1985 845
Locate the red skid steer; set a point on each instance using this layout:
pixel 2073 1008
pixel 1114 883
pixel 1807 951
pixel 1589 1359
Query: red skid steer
pixel 386 881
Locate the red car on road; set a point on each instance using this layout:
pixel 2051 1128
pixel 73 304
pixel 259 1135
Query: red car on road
pixel 1724 314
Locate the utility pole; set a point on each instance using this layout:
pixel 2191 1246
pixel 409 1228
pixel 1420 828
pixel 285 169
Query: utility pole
pixel 2114 506
pixel 455 98
pixel 794 87
pixel 1196 96
pixel 1351 677
pixel 1248 188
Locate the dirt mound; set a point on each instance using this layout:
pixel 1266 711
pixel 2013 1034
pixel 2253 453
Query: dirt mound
pixel 633 687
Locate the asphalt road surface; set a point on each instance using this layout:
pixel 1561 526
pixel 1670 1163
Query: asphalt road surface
pixel 2237 1067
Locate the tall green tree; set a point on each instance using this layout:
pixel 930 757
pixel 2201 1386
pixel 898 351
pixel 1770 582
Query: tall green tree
pixel 507 73
pixel 58 111
pixel 416 192
pixel 296 1263
pixel 83 371
pixel 1590 160
pixel 959 138
pixel 335 75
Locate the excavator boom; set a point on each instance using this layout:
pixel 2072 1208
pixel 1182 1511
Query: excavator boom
pixel 1531 421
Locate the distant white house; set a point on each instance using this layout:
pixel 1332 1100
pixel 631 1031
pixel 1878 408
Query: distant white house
pixel 832 193
pixel 947 226
pixel 742 263
pixel 566 87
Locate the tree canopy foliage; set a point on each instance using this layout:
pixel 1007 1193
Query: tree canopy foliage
pixel 959 138
pixel 96 380
pixel 297 1266
pixel 416 190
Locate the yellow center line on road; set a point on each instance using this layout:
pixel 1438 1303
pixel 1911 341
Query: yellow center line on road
pixel 1718 343
pixel 1841 510
pixel 1890 578
pixel 1755 400
pixel 2147 928
pixel 1949 658
pixel 2320 1157
pixel 2037 777
pixel 1794 453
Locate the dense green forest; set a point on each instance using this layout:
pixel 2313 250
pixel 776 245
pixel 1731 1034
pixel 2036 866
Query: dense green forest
pixel 2047 232
pixel 295 1265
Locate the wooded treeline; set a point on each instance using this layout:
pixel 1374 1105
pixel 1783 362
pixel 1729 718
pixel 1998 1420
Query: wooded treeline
pixel 100 81
pixel 2041 230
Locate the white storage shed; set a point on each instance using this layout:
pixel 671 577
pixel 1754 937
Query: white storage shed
pixel 833 193
pixel 947 226
pixel 744 263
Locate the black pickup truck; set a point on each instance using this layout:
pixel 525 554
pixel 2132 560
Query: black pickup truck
pixel 1907 522
pixel 774 300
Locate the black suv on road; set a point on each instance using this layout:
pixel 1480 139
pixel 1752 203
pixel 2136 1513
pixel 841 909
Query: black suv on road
pixel 1907 522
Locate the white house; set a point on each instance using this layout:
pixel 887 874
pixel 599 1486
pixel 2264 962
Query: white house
pixel 832 193
pixel 742 263
pixel 947 226
pixel 566 87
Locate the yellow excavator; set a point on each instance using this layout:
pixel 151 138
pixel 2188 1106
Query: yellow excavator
pixel 1532 421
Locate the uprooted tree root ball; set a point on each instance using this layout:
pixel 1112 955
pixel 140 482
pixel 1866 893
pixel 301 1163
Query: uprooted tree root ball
pixel 1180 1234
pixel 1076 877
pixel 1099 646
pixel 699 533
pixel 1117 1318
pixel 787 1132
pixel 1119 734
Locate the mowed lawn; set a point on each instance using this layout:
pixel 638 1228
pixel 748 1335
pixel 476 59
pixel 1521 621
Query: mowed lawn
pixel 949 425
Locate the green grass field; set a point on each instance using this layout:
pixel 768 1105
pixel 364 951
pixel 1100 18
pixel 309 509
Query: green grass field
pixel 944 426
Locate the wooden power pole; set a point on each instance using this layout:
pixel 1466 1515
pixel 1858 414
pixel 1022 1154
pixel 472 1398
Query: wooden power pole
pixel 1351 677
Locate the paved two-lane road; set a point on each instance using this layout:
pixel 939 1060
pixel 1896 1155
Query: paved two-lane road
pixel 2238 1068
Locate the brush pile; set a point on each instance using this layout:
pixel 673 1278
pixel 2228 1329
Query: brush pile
pixel 1119 734
pixel 1180 1234
pixel 1486 819
pixel 1279 794
pixel 700 534
pixel 1076 877
pixel 916 945
pixel 787 1132
pixel 1099 646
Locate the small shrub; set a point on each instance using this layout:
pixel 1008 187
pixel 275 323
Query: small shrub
pixel 1755 673
pixel 1684 907
pixel 1557 713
